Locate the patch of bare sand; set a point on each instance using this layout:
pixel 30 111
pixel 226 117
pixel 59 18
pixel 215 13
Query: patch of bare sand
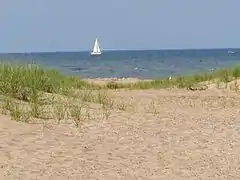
pixel 169 134
pixel 104 81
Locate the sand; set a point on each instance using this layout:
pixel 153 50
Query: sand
pixel 122 80
pixel 160 134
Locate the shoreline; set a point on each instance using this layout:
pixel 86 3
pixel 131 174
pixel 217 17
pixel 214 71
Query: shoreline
pixel 53 80
pixel 120 80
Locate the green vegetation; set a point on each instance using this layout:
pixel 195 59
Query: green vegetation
pixel 221 75
pixel 24 81
pixel 30 93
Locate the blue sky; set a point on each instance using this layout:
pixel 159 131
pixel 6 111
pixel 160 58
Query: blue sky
pixel 61 25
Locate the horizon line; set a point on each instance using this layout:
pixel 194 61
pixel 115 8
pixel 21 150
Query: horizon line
pixel 109 50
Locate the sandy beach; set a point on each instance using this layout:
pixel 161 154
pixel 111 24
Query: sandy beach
pixel 122 80
pixel 119 90
pixel 153 134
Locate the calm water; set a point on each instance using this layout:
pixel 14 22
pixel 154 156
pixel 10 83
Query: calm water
pixel 140 64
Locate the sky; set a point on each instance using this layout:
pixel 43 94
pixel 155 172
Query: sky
pixel 61 25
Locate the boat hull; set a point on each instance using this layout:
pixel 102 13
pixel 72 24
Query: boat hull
pixel 95 54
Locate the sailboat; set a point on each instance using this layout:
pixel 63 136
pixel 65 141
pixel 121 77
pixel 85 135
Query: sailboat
pixel 96 48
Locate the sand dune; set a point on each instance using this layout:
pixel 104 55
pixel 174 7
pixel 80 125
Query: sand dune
pixel 157 134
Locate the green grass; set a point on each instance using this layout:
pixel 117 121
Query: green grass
pixel 24 81
pixel 45 94
pixel 31 92
pixel 220 75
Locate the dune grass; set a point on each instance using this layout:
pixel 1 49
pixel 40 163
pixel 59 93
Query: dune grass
pixel 224 75
pixel 44 94
pixel 31 92
pixel 24 81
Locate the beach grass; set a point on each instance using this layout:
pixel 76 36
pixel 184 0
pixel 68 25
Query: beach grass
pixel 224 75
pixel 30 89
pixel 31 92
pixel 24 81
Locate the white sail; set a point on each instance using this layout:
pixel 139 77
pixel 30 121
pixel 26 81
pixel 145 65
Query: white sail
pixel 96 48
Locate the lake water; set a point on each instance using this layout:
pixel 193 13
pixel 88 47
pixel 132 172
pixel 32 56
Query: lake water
pixel 140 64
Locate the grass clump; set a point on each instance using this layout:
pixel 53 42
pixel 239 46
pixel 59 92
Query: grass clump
pixel 114 85
pixel 14 109
pixel 60 110
pixel 79 113
pixel 47 94
pixel 15 112
pixel 33 86
pixel 21 81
